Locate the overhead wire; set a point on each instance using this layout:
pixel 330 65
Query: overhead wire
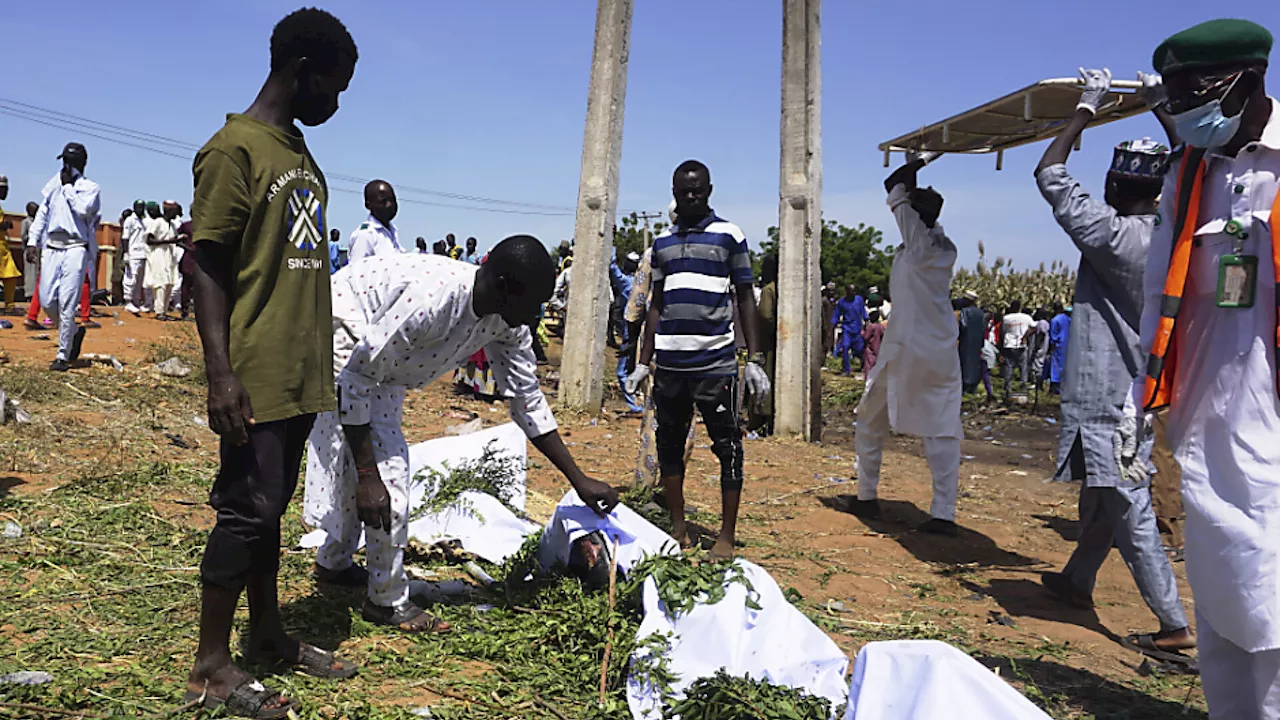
pixel 139 139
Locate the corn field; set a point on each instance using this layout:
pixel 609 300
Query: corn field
pixel 999 284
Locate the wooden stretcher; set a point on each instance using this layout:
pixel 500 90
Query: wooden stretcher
pixel 1034 113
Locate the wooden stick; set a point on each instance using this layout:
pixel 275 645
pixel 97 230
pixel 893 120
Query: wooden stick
pixel 784 496
pixel 608 643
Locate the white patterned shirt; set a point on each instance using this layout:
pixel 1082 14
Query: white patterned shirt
pixel 411 319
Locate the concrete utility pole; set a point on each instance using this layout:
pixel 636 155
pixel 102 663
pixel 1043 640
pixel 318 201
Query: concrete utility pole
pixel 582 369
pixel 648 233
pixel 797 379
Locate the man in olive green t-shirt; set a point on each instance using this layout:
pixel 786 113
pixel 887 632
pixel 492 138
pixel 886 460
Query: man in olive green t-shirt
pixel 262 299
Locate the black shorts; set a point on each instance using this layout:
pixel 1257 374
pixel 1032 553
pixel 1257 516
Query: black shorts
pixel 255 483
pixel 675 395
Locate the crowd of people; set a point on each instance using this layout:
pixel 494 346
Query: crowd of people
pixel 310 348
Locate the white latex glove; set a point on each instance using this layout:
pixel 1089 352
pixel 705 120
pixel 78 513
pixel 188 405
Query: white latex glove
pixel 757 381
pixel 925 156
pixel 637 376
pixel 1096 85
pixel 1153 91
pixel 1126 441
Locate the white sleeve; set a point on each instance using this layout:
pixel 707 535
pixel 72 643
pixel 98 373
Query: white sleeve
pixel 515 372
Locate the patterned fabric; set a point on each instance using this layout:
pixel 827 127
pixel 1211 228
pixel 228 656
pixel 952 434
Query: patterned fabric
pixel 697 266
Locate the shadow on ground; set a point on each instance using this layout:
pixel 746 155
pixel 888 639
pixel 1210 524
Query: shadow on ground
pixel 8 483
pixel 1068 530
pixel 1070 692
pixel 1022 598
pixel 899 519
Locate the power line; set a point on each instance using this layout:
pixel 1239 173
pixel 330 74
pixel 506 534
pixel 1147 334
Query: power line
pixel 135 138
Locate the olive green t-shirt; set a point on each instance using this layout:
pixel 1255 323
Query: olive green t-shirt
pixel 258 191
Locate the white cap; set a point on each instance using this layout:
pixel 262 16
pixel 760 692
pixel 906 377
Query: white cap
pixel 633 256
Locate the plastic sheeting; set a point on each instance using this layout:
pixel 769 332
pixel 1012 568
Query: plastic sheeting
pixel 480 522
pixel 930 680
pixel 777 642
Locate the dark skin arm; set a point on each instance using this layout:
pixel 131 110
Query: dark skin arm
pixel 373 504
pixel 905 175
pixel 599 496
pixel 230 414
pixel 1060 148
pixel 750 316
pixel 651 325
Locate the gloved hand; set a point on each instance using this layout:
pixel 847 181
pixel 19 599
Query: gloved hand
pixel 924 156
pixel 757 381
pixel 1126 441
pixel 1153 91
pixel 637 376
pixel 1096 85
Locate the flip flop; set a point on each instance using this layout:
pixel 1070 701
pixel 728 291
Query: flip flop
pixel 247 700
pixel 1145 644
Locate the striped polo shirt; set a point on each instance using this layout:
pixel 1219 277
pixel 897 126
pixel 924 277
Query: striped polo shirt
pixel 697 266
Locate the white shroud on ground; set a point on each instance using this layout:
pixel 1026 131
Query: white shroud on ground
pixel 777 642
pixel 481 522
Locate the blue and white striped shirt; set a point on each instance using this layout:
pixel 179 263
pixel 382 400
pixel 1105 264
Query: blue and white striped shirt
pixel 698 266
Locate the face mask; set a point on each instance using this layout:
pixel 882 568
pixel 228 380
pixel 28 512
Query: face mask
pixel 1206 126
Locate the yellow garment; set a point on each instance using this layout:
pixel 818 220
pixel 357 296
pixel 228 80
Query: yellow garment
pixel 8 268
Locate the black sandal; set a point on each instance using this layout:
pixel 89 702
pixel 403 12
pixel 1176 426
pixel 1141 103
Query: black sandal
pixel 311 661
pixel 351 576
pixel 402 618
pixel 247 700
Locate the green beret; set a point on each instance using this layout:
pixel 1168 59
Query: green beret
pixel 1216 42
pixel 153 205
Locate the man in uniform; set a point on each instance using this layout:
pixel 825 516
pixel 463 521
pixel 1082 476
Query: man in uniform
pixel 401 322
pixel 1209 322
pixel 263 311
pixel 65 226
pixel 914 388
pixel 376 235
pixel 1103 357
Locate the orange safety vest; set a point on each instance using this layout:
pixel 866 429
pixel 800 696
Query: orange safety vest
pixel 1163 361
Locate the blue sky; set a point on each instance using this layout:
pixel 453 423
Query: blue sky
pixel 488 98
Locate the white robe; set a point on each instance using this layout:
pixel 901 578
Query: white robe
pixel 1225 416
pixel 918 360
pixel 162 260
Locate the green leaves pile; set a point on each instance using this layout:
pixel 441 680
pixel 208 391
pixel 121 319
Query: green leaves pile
pixel 493 473
pixel 725 697
pixel 682 583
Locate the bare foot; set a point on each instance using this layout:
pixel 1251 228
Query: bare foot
pixel 722 550
pixel 219 678
pixel 1174 640
pixel 681 535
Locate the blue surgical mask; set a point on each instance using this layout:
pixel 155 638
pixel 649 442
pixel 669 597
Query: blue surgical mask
pixel 1206 126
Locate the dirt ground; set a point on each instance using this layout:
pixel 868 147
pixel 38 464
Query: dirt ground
pixel 864 580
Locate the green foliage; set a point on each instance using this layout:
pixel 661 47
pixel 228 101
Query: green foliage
pixel 682 583
pixel 998 284
pixel 849 255
pixel 628 236
pixel 493 473
pixel 725 697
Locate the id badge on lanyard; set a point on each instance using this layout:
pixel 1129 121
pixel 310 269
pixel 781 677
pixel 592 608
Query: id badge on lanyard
pixel 1237 272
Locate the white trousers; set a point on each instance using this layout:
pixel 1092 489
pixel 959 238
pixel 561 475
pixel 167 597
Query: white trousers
pixel 330 500
pixel 1238 685
pixel 943 454
pixel 61 275
pixel 136 297
pixel 162 299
